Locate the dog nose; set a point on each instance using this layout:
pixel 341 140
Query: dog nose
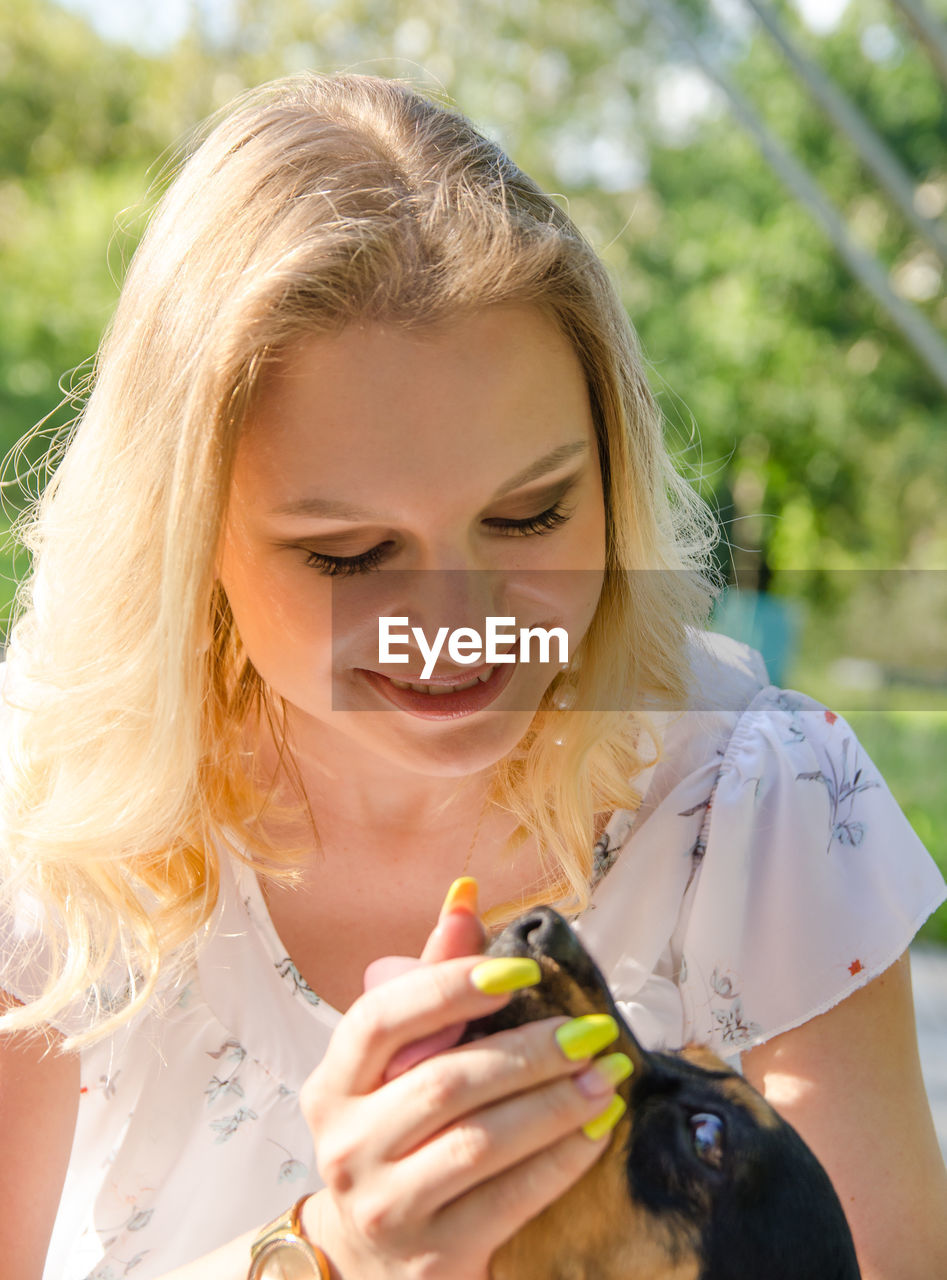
pixel 543 932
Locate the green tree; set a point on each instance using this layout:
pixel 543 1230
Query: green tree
pixel 808 404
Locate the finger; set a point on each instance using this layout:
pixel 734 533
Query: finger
pixel 486 1143
pixel 387 967
pixel 383 970
pixel 458 931
pixel 495 1210
pixel 381 1021
pixel 437 1163
pixel 489 1072
pixel 421 1050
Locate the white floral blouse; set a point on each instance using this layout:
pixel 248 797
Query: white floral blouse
pixel 767 874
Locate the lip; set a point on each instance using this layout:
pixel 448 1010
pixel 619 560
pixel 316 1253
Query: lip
pixel 443 706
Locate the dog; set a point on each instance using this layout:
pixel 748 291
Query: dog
pixel 702 1180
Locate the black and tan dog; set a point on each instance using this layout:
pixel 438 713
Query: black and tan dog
pixel 702 1179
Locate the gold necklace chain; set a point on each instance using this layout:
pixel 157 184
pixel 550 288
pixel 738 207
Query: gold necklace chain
pixel 473 842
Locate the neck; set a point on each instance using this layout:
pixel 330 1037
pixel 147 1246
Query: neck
pixel 356 798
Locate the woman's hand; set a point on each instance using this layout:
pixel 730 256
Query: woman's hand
pixel 458 932
pixel 427 1173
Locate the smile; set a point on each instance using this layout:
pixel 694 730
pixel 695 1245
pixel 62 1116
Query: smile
pixel 442 699
pixel 438 689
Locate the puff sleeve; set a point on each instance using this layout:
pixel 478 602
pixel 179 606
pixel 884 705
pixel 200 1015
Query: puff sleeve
pixel 808 880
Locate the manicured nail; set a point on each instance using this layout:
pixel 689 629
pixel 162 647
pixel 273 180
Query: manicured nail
pixel 604 1074
pixel 499 974
pixel 461 896
pixel 583 1037
pixel 615 1067
pixel 606 1122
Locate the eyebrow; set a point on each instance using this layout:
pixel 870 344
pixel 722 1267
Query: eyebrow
pixel 333 509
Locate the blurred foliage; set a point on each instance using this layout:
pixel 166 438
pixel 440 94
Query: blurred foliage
pixel 80 123
pixel 809 406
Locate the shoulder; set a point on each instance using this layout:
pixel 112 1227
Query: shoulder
pixel 808 880
pixel 38 1104
pixel 726 679
pixel 768 872
pixel 691 741
pixel 739 730
pixel 725 673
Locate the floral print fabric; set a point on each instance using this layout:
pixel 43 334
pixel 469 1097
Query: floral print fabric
pixel 767 873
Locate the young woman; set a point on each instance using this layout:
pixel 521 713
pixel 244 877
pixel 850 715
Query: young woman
pixel 356 338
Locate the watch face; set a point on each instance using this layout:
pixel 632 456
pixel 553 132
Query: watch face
pixel 287 1259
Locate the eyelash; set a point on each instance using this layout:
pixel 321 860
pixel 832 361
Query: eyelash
pixel 346 566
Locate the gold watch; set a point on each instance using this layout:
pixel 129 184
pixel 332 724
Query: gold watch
pixel 282 1252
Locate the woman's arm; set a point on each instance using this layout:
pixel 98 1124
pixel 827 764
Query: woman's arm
pixel 39 1098
pixel 850 1082
pixel 230 1262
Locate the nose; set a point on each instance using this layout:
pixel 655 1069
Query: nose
pixel 432 599
pixel 461 597
pixel 543 931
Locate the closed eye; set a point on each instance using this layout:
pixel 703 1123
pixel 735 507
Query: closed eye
pixel 545 522
pixel 346 566
pixel 367 561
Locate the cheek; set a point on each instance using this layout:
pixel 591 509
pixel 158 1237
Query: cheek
pixel 584 602
pixel 588 555
pixel 601 522
pixel 253 593
pixel 588 530
pixel 280 612
pixel 586 582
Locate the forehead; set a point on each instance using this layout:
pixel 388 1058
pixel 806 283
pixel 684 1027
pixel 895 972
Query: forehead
pixel 494 377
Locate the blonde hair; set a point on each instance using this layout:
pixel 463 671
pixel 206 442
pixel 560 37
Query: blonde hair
pixel 316 201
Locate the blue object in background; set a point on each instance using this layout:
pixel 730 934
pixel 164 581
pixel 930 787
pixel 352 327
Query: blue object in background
pixel 763 621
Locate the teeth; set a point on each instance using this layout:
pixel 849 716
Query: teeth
pixel 434 690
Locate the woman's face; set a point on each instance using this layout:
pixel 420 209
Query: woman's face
pixel 443 475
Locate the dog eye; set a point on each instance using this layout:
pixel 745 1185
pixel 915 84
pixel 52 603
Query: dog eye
pixel 707 1137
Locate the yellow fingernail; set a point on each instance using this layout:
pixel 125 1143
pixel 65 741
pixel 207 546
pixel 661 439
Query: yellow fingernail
pixel 606 1122
pixel 498 975
pixel 583 1037
pixel 615 1067
pixel 461 896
